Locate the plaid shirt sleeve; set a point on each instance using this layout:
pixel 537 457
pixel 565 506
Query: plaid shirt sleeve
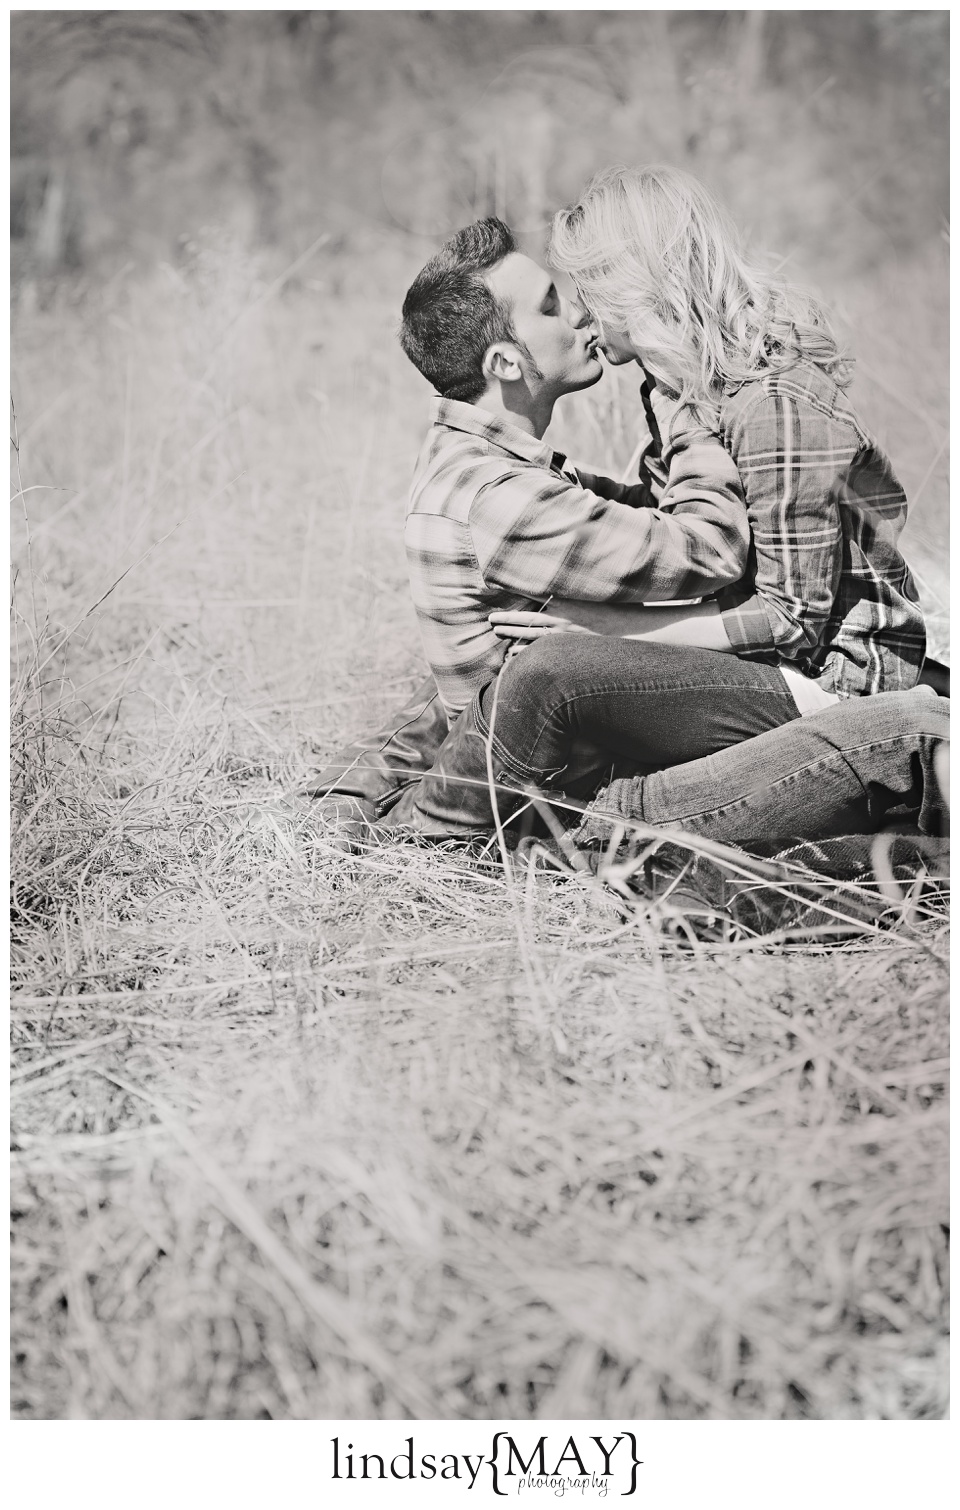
pixel 545 534
pixel 793 459
pixel 636 495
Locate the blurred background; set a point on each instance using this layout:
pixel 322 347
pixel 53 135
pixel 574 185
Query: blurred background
pixel 215 216
pixel 825 132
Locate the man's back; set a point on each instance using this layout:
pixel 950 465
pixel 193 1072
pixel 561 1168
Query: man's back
pixel 451 594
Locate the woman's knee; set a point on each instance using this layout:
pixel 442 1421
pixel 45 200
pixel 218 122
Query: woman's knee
pixel 922 714
pixel 857 722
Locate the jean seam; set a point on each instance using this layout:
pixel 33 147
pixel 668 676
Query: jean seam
pixel 511 767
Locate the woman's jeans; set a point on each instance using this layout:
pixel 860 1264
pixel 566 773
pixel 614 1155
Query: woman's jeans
pixel 866 764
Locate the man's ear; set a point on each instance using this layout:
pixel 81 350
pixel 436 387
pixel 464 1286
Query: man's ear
pixel 502 362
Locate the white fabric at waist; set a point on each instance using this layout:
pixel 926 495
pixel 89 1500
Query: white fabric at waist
pixel 808 695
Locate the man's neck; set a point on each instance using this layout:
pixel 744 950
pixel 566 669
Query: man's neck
pixel 532 415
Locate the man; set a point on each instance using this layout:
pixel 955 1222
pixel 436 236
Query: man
pixel 497 519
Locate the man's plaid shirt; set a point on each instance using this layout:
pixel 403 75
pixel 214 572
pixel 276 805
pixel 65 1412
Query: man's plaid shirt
pixel 826 590
pixel 498 519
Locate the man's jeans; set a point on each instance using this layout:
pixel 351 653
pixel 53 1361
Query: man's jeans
pixel 571 709
pixel 567 707
pixel 866 764
pixel 849 769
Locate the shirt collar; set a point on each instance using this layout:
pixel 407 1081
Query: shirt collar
pixel 456 415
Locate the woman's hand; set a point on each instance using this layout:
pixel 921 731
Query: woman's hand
pixel 522 625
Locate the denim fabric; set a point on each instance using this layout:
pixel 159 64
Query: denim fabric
pixel 571 703
pixel 571 706
pixel 852 769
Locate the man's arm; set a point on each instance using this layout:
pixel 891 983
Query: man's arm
pixel 634 495
pixel 541 535
pixel 668 426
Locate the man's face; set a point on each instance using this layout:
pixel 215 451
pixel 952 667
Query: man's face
pixel 559 335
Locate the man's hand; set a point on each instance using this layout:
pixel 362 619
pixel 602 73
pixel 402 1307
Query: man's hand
pixel 523 625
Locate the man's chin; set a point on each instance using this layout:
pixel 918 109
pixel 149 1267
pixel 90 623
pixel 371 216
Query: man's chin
pixel 593 374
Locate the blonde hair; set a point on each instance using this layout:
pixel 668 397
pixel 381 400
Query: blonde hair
pixel 654 255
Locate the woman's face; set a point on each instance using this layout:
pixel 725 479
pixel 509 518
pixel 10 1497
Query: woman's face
pixel 617 347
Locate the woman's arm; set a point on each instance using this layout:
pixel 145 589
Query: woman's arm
pixel 797 463
pixel 673 623
pixel 695 624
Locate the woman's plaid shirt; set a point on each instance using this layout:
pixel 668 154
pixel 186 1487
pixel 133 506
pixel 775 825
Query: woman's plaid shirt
pixel 498 519
pixel 826 589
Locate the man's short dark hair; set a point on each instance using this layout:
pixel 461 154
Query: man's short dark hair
pixel 451 317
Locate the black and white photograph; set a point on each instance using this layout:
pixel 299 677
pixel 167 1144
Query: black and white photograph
pixel 479 733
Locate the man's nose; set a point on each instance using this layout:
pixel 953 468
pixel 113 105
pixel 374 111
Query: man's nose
pixel 578 314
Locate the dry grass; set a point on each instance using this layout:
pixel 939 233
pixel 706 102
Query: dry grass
pixel 307 1135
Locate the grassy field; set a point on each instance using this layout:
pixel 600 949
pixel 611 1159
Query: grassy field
pixel 300 1134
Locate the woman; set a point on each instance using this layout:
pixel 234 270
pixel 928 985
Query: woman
pixel 829 598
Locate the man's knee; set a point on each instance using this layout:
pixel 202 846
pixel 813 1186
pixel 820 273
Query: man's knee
pixel 547 666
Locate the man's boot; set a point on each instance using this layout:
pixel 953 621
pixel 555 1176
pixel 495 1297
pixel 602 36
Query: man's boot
pixel 454 800
pixel 364 780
